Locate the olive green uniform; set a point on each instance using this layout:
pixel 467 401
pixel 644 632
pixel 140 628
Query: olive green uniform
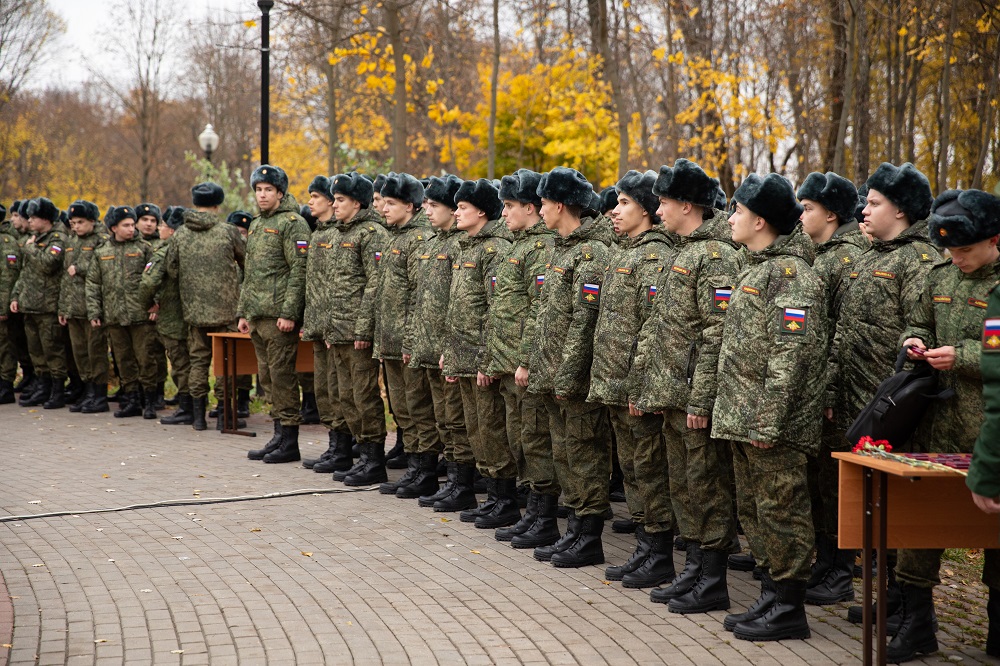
pixel 90 345
pixel 37 294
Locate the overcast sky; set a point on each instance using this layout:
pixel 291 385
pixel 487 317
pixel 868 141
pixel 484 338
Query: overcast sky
pixel 87 24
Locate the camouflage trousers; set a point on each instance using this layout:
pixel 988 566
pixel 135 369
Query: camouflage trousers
pixel 136 369
pixel 922 568
pixel 278 349
pixel 325 386
pixel 90 350
pixel 513 398
pixel 449 414
pixel 773 503
pixel 180 362
pixel 536 446
pixel 824 479
pixel 395 388
pixel 158 352
pixel 199 346
pixel 622 424
pixel 649 461
pixel 420 404
pixel 486 423
pixel 46 345
pixel 8 355
pixel 358 394
pixel 581 453
pixel 700 484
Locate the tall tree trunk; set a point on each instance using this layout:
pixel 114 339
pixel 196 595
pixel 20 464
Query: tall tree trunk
pixel 332 138
pixel 944 119
pixel 394 32
pixel 598 14
pixel 986 116
pixel 862 111
pixel 838 80
pixel 839 165
pixel 494 81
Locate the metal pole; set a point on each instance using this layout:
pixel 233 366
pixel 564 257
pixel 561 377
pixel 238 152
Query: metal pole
pixel 265 78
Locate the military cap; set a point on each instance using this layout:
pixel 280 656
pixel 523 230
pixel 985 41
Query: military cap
pixel 566 186
pixel 271 175
pixel 144 209
pixel 15 207
pixel 835 193
pixel 40 207
pixel 521 186
pixel 772 198
pixel 608 199
pixel 904 186
pixel 174 217
pixel 353 185
pixel 207 195
pixel 321 185
pixel 85 209
pixel 963 217
pixel 240 219
pixel 443 190
pixel 638 186
pixel 119 213
pixel 404 187
pixel 686 181
pixel 377 183
pixel 481 194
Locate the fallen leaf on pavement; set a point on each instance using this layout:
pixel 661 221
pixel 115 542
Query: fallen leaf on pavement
pixel 307 554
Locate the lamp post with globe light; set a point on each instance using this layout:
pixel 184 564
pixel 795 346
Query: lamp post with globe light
pixel 209 141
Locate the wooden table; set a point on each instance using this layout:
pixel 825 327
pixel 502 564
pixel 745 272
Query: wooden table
pixel 233 354
pixel 886 504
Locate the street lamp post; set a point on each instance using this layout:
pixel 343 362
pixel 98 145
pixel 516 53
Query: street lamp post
pixel 209 141
pixel 265 77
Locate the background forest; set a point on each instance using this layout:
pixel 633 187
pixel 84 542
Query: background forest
pixel 481 87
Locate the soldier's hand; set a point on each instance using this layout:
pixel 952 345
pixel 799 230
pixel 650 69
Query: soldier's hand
pixel 363 344
pixel 62 320
pixel 243 326
pixel 451 380
pixel 13 307
pixel 406 357
pixel 521 376
pixel 942 358
pixel 152 316
pixel 633 411
pixel 914 343
pixel 560 397
pixel 986 504
pixel 285 325
pixel 828 414
pixel 72 271
pixel 441 364
pixel 697 422
pixel 483 380
pixel 95 323
pixel 761 445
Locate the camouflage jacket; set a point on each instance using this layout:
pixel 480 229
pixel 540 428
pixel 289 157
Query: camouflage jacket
pixel 37 288
pixel 341 279
pixel 73 290
pixel 628 290
pixel 206 257
pixel 567 311
pixel 274 282
pixel 984 472
pixel 884 286
pixel 473 282
pixel 113 282
pixel 678 350
pixel 159 287
pixel 511 322
pixel 397 285
pixel 10 269
pixel 773 353
pixel 950 312
pixel 426 328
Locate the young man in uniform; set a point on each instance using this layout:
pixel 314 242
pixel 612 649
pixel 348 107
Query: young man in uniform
pixel 36 295
pixel 148 227
pixel 113 300
pixel 464 359
pixel 769 400
pixel 272 302
pixel 10 268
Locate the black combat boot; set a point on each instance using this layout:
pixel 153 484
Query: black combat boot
pixel 41 388
pixel 57 396
pixel 7 392
pixel 521 526
pixel 75 390
pixel 412 469
pixel 361 463
pixel 837 584
pixel 588 548
pixel 545 553
pixel 826 548
pixel 395 458
pixel 505 511
pixel 288 450
pixel 461 496
pixel 624 526
pixel 658 567
pixel 993 615
pixel 784 620
pixel 309 411
pixel 149 412
pixel 484 507
pixel 99 403
pixel 635 560
pixel 198 407
pixel 917 632
pixel 159 401
pixel 544 531
pixel 272 445
pixel 132 405
pixel 27 379
pixel 374 469
pixel 340 460
pixel 893 608
pixel 426 480
pixel 310 463
pixel 767 596
pixel 710 591
pixel 184 414
pixel 85 399
pixel 243 403
pixel 683 581
pixel 427 501
pixel 742 562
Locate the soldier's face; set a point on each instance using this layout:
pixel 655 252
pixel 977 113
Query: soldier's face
pixel 124 230
pixel 515 214
pixel 629 217
pixel 146 225
pixel 550 213
pixel 378 203
pixel 267 196
pixel 344 207
pixel 882 217
pixel 441 216
pixel 396 212
pixel 816 220
pixel 970 258
pixel 81 226
pixel 744 224
pixel 320 206
pixel 469 217
pixel 38 225
pixel 165 231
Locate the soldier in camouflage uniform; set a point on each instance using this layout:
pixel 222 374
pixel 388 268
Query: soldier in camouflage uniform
pixel 829 202
pixel 946 329
pixel 148 227
pixel 511 331
pixel 426 331
pixel 18 229
pixel 627 293
pixel 272 302
pixel 160 287
pixel 560 365
pixel 883 287
pixel 10 268
pixel 403 197
pixel 206 257
pixel 114 301
pixel 769 399
pixel 36 295
pixel 90 345
pixel 465 356
pixel 675 374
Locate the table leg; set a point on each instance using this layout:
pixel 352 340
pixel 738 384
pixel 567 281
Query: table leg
pixel 227 411
pixel 881 579
pixel 866 569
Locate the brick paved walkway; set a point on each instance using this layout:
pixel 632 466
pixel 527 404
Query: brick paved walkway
pixel 347 578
